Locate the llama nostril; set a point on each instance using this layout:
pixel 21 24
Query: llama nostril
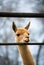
pixel 27 37
pixel 28 33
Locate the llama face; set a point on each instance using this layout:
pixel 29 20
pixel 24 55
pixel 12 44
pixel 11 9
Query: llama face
pixel 21 34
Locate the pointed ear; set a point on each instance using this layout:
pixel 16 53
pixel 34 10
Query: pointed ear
pixel 14 27
pixel 27 26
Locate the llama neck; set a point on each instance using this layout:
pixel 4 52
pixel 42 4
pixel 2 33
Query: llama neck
pixel 26 55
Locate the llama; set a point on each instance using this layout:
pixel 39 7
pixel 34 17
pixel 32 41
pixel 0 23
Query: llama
pixel 22 35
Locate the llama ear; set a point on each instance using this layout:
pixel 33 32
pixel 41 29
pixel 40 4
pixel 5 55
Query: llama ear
pixel 27 26
pixel 14 27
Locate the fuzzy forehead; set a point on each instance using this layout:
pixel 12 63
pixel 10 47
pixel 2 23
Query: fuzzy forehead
pixel 21 30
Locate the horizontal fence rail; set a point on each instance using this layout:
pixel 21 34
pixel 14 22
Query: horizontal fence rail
pixel 21 43
pixel 10 14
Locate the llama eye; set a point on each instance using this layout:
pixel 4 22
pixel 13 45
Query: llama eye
pixel 18 34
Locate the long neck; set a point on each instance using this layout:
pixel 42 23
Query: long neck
pixel 26 55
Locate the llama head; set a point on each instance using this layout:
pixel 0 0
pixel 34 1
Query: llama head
pixel 21 34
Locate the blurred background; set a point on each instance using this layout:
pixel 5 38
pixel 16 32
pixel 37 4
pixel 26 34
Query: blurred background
pixel 9 55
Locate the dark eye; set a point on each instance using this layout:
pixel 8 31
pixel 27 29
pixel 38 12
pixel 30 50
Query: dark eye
pixel 18 34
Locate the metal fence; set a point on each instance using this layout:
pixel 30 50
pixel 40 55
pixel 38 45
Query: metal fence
pixel 22 15
pixel 32 15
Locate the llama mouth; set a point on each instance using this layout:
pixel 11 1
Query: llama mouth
pixel 26 40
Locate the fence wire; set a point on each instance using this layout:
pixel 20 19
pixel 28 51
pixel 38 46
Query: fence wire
pixel 16 14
